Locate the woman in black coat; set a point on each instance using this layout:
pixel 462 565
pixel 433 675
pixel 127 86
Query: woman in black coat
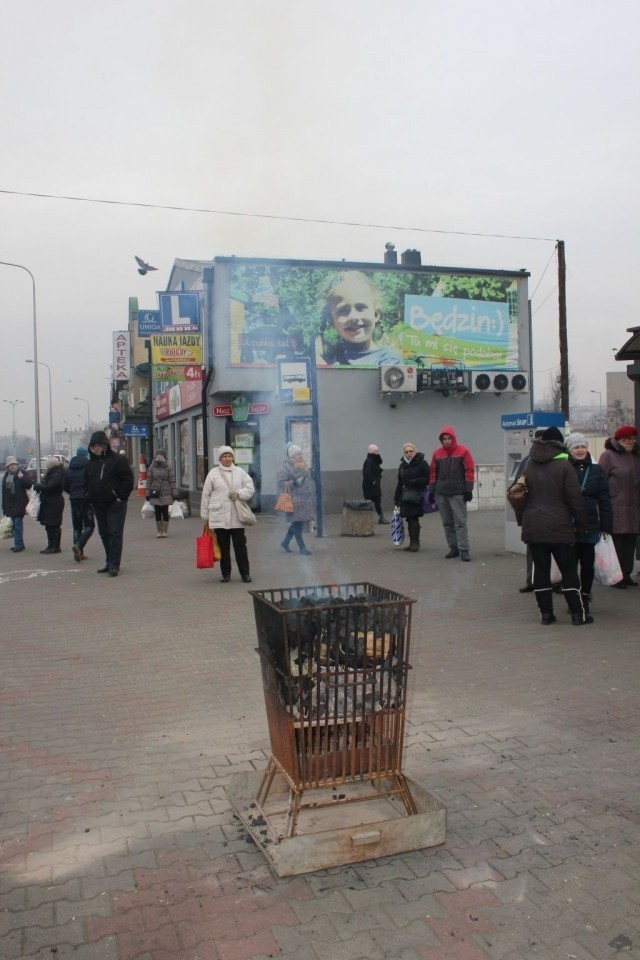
pixel 597 503
pixel 51 503
pixel 371 478
pixel 413 477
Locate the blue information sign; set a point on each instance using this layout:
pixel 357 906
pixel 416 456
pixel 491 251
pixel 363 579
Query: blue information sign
pixel 537 418
pixel 135 430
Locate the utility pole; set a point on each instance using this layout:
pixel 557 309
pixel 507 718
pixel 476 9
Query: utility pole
pixel 562 325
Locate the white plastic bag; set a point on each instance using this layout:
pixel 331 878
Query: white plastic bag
pixel 148 512
pixel 606 568
pixel 175 513
pixel 33 507
pixel 6 528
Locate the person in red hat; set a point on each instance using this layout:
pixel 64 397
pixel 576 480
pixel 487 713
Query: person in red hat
pixel 620 462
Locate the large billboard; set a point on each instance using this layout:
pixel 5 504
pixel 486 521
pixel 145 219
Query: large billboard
pixel 350 317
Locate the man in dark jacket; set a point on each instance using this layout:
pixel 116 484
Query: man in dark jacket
pixel 451 478
pixel 371 477
pixel 81 510
pixel 108 485
pixel 554 511
pixel 14 500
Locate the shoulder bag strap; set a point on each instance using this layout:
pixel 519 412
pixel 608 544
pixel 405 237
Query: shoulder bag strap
pixel 585 478
pixel 223 474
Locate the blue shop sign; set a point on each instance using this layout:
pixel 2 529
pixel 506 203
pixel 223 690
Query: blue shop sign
pixel 149 322
pixel 135 430
pixel 532 420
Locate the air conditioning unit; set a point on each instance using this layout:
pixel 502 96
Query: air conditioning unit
pixel 499 381
pixel 398 378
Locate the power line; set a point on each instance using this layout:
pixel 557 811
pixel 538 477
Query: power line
pixel 270 216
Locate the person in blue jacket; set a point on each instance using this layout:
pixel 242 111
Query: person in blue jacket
pixel 82 518
pixel 597 502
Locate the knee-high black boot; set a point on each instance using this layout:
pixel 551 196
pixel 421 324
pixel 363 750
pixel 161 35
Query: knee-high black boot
pixel 51 541
pixel 413 525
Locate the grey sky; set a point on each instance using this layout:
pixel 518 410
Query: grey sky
pixel 497 118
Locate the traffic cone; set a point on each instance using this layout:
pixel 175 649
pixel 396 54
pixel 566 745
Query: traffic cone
pixel 142 476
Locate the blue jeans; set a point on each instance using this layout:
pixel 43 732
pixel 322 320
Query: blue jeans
pixel 18 532
pixel 83 522
pixel 110 520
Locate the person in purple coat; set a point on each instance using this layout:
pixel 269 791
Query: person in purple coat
pixel 620 462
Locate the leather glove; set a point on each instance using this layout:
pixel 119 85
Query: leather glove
pixel 147 498
pixel 233 495
pixel 432 497
pixel 468 496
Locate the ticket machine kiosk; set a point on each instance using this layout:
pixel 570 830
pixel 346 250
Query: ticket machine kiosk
pixel 519 430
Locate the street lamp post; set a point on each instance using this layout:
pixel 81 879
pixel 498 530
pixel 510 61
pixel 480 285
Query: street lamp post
pixel 69 431
pixel 14 435
pixel 19 266
pixel 82 399
pixel 52 438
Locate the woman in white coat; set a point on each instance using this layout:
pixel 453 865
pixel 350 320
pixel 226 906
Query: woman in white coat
pixel 225 484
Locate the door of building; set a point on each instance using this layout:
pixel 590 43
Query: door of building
pixel 244 437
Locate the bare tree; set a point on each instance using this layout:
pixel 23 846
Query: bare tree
pixel 618 414
pixel 552 399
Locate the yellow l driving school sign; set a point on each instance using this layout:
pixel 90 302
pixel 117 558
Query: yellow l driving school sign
pixel 182 348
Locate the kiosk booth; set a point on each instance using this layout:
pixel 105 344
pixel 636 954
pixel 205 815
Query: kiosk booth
pixel 519 430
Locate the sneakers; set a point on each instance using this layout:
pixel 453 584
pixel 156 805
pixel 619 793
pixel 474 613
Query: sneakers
pixel 17 549
pixel 454 552
pixel 224 579
pixel 528 588
pixel 285 546
pixel 113 572
pixel 246 578
pixel 547 618
pixel 383 519
pixel 77 553
pixel 305 552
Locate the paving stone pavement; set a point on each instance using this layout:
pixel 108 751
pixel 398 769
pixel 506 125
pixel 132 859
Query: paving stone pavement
pixel 127 704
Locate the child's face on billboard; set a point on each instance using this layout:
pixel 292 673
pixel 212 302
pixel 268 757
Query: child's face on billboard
pixel 353 310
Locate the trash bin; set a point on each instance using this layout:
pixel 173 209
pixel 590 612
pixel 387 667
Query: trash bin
pixel 335 663
pixel 357 518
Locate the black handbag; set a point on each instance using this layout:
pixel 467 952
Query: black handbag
pixel 411 496
pixel 154 494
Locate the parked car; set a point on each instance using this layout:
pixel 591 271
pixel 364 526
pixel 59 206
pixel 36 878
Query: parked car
pixel 31 466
